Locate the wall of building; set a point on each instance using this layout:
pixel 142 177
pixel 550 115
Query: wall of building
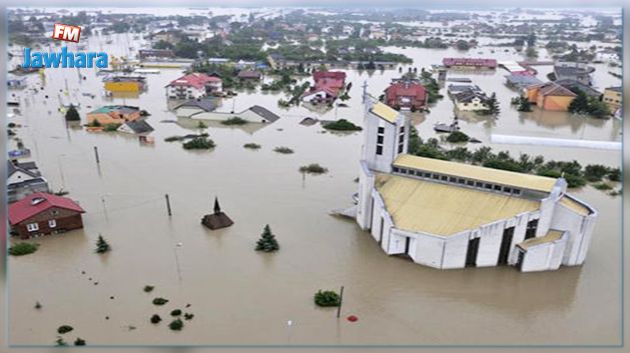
pixel 66 220
pixel 544 257
pixel 364 205
pixel 122 86
pixel 579 229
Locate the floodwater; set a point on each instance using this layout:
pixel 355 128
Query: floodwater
pixel 239 296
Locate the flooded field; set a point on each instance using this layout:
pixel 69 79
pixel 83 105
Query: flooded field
pixel 239 296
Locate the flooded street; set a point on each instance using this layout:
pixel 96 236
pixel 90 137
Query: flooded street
pixel 240 296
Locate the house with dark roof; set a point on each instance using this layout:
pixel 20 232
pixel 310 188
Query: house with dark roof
pixel 521 81
pixel 580 72
pixel 575 86
pixel 406 94
pixel 468 63
pixel 471 101
pixel 194 107
pixel 193 86
pixel 43 214
pixel 550 96
pixel 249 75
pixel 24 179
pixel 137 127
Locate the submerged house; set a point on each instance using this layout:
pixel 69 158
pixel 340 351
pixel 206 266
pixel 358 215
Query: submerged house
pixel 113 114
pixel 578 71
pixel 125 83
pixel 218 219
pixel 408 94
pixel 471 101
pixel 550 96
pixel 450 215
pixel 328 86
pixel 138 127
pixel 24 179
pixel 43 214
pixel 193 86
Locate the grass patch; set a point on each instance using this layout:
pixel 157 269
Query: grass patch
pixel 252 146
pixel 313 168
pixel 20 249
pixel 327 298
pixel 235 121
pixel 283 150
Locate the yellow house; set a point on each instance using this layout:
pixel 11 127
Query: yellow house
pixel 125 84
pixel 612 97
pixel 113 114
pixel 550 96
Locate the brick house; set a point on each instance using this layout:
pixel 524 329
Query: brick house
pixel 406 94
pixel 41 214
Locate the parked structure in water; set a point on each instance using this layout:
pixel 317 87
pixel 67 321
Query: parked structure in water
pixel 453 215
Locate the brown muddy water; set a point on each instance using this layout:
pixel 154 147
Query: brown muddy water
pixel 239 296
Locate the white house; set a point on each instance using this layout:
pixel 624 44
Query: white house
pixel 193 86
pixel 450 215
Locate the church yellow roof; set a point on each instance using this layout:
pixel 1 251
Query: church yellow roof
pixel 441 209
pixel 384 112
pixel 575 206
pixel 496 176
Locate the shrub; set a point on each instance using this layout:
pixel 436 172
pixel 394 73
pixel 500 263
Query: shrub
pixel 602 186
pixel 111 127
pixel 64 329
pixel 614 174
pixel 267 241
pixel 188 316
pixel 252 146
pixel 457 136
pixel 176 325
pixel 101 245
pixel 155 319
pixel 20 249
pixel 201 125
pixel 199 143
pixel 148 288
pixel 72 114
pixel 172 138
pixel 234 121
pixel 79 342
pixel 595 172
pixel 176 312
pixel 283 150
pixel 342 125
pixel 60 342
pixel 313 168
pixel 160 301
pixel 327 298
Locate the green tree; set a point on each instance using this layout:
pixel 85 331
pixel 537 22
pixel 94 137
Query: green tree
pixel 493 105
pixel 101 245
pixel 579 105
pixel 524 105
pixel 72 114
pixel 267 241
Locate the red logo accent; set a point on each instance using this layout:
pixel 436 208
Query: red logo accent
pixel 66 33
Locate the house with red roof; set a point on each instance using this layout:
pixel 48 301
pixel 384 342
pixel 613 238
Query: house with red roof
pixel 327 87
pixel 406 94
pixel 466 63
pixel 41 214
pixel 193 86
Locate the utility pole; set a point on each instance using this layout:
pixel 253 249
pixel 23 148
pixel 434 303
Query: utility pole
pixel 98 161
pixel 168 205
pixel 340 302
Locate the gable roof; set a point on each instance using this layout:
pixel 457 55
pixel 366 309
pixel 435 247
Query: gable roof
pixel 12 168
pixel 468 96
pixel 407 89
pixel 139 126
pixel 204 104
pixel 384 112
pixel 554 89
pixel 496 176
pixel 573 85
pixel 195 79
pixel 265 113
pixel 26 208
pixel 123 109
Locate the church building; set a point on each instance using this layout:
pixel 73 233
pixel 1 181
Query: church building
pixel 450 215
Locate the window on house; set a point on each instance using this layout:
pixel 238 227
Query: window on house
pixel 488 186
pixel 452 179
pixel 381 130
pixel 427 175
pixel 444 178
pixel 508 190
pixel 32 227
pixel 517 191
pixel 479 184
pixel 497 187
pixel 470 183
pixel 461 181
pixel 52 223
pixel 396 169
pixel 401 138
pixel 400 148
pixel 435 176
pixel 531 229
pixel 379 139
pixel 379 150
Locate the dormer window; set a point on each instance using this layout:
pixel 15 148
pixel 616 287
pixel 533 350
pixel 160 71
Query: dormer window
pixel 37 200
